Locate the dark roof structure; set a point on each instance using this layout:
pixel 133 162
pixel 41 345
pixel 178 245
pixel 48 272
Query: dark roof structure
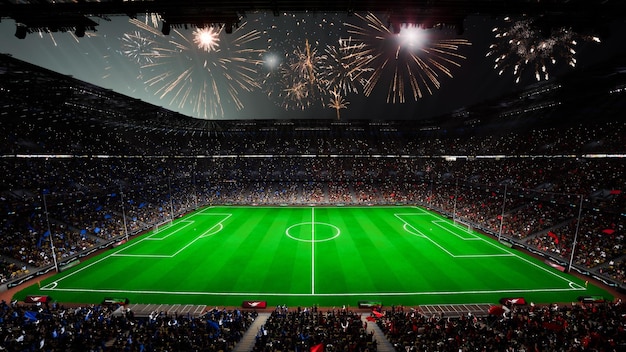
pixel 593 93
pixel 49 15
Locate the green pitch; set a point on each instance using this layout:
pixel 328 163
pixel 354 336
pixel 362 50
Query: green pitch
pixel 326 256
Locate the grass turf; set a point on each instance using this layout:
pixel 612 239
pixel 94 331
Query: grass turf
pixel 326 256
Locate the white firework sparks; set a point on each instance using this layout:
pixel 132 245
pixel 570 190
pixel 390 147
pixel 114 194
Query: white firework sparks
pixel 207 39
pixel 521 46
pixel 301 84
pixel 343 66
pixel 337 102
pixel 138 47
pixel 413 58
pixel 202 70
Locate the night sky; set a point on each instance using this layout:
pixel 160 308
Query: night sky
pixel 249 73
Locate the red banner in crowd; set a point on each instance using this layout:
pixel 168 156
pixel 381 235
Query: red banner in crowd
pixel 496 310
pixel 508 301
pixel 317 348
pixel 554 236
pixel 115 300
pixel 36 299
pixel 254 304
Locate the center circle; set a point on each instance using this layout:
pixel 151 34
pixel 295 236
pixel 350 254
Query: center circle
pixel 313 232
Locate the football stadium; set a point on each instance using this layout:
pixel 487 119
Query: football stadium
pixel 312 176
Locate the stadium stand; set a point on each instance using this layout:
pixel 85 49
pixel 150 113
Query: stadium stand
pixel 80 162
pixel 527 328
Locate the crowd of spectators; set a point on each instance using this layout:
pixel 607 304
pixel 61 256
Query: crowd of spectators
pixel 616 270
pixel 108 181
pixel 303 328
pixel 106 328
pixel 554 328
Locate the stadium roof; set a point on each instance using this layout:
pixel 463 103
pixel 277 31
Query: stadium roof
pixel 57 15
pixel 34 92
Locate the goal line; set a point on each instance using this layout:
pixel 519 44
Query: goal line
pixel 161 226
pixel 462 224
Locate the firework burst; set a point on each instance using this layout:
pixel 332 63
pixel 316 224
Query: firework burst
pixel 207 39
pixel 301 82
pixel 520 46
pixel 343 67
pixel 202 70
pixel 414 59
pixel 337 102
pixel 138 47
pixel 297 63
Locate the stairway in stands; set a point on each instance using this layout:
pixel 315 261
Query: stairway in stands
pixel 249 338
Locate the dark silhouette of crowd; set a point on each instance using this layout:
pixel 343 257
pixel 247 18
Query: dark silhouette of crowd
pixel 554 328
pixel 303 328
pixel 107 328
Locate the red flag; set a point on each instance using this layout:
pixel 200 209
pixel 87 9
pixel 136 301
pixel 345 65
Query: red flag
pixel 318 348
pixel 377 314
pixel 608 231
pixel 615 191
pixel 554 237
pixel 495 310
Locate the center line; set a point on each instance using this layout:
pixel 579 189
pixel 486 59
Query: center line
pixel 312 251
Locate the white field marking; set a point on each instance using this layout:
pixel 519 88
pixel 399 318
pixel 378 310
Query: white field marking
pixel 571 284
pixel 411 214
pixel 133 243
pixel 424 212
pixel 202 211
pixel 424 236
pixel 321 206
pixel 472 238
pixel 196 293
pixel 142 255
pixel 186 222
pixel 312 250
pixel 205 234
pixel 576 286
pixel 406 226
pixel 287 231
pixel 520 258
pixel 53 284
pixel 212 230
pixel 409 228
